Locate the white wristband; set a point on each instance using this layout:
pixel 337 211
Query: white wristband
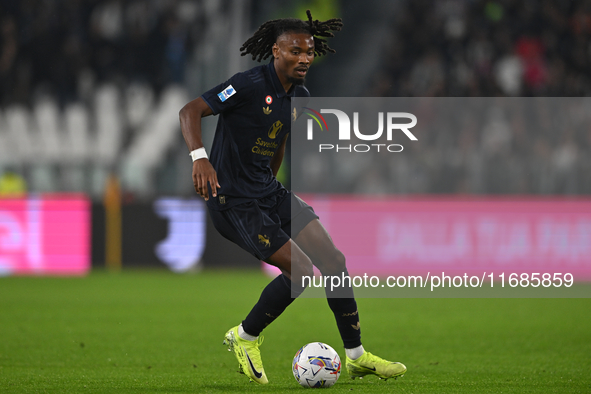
pixel 198 154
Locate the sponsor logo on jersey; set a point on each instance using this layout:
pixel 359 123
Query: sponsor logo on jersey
pixel 265 148
pixel 267 111
pixel 275 129
pixel 226 93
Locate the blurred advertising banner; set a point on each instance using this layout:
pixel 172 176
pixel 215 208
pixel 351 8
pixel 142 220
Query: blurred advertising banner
pixel 183 247
pixel 434 145
pixel 508 151
pixel 168 232
pixel 45 234
pixel 404 237
pixel 439 247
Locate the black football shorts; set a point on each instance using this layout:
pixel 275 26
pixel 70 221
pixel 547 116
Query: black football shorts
pixel 263 226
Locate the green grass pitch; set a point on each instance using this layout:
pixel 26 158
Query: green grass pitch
pixel 157 332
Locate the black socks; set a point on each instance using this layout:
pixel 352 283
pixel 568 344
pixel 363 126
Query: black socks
pixel 273 301
pixel 342 303
pixel 278 295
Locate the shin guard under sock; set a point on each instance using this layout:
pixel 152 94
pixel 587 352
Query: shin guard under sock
pixel 342 303
pixel 347 317
pixel 274 299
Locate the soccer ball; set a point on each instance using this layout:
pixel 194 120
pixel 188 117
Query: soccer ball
pixel 316 365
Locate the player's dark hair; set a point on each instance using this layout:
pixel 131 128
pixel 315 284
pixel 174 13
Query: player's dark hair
pixel 261 43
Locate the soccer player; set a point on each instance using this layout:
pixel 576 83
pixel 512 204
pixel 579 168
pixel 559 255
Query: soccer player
pixel 250 207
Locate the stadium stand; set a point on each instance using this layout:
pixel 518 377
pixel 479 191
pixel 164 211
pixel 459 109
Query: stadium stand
pixel 475 48
pixel 107 66
pixel 86 88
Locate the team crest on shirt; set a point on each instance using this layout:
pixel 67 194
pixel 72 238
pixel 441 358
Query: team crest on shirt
pixel 264 239
pixel 226 93
pixel 275 129
pixel 269 100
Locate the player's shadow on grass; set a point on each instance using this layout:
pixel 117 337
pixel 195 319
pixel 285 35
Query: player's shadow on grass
pixel 249 387
pixel 367 385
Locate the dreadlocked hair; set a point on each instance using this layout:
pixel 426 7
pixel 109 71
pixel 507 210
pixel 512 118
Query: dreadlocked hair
pixel 261 43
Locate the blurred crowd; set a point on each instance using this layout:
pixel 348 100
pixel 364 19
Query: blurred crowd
pixel 435 48
pixel 466 145
pixel 65 48
pixel 491 48
pixel 488 48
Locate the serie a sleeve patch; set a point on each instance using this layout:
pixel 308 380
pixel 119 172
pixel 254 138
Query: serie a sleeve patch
pixel 226 93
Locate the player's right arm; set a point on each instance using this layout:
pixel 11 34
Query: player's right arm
pixel 203 173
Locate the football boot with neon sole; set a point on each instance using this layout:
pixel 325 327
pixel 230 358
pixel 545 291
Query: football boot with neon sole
pixel 248 355
pixel 368 364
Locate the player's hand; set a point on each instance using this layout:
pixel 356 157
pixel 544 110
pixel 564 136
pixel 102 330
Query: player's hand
pixel 203 173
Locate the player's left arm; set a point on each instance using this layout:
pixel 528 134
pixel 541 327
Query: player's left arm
pixel 277 158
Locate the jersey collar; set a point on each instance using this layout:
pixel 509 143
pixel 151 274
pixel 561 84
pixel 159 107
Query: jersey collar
pixel 279 91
